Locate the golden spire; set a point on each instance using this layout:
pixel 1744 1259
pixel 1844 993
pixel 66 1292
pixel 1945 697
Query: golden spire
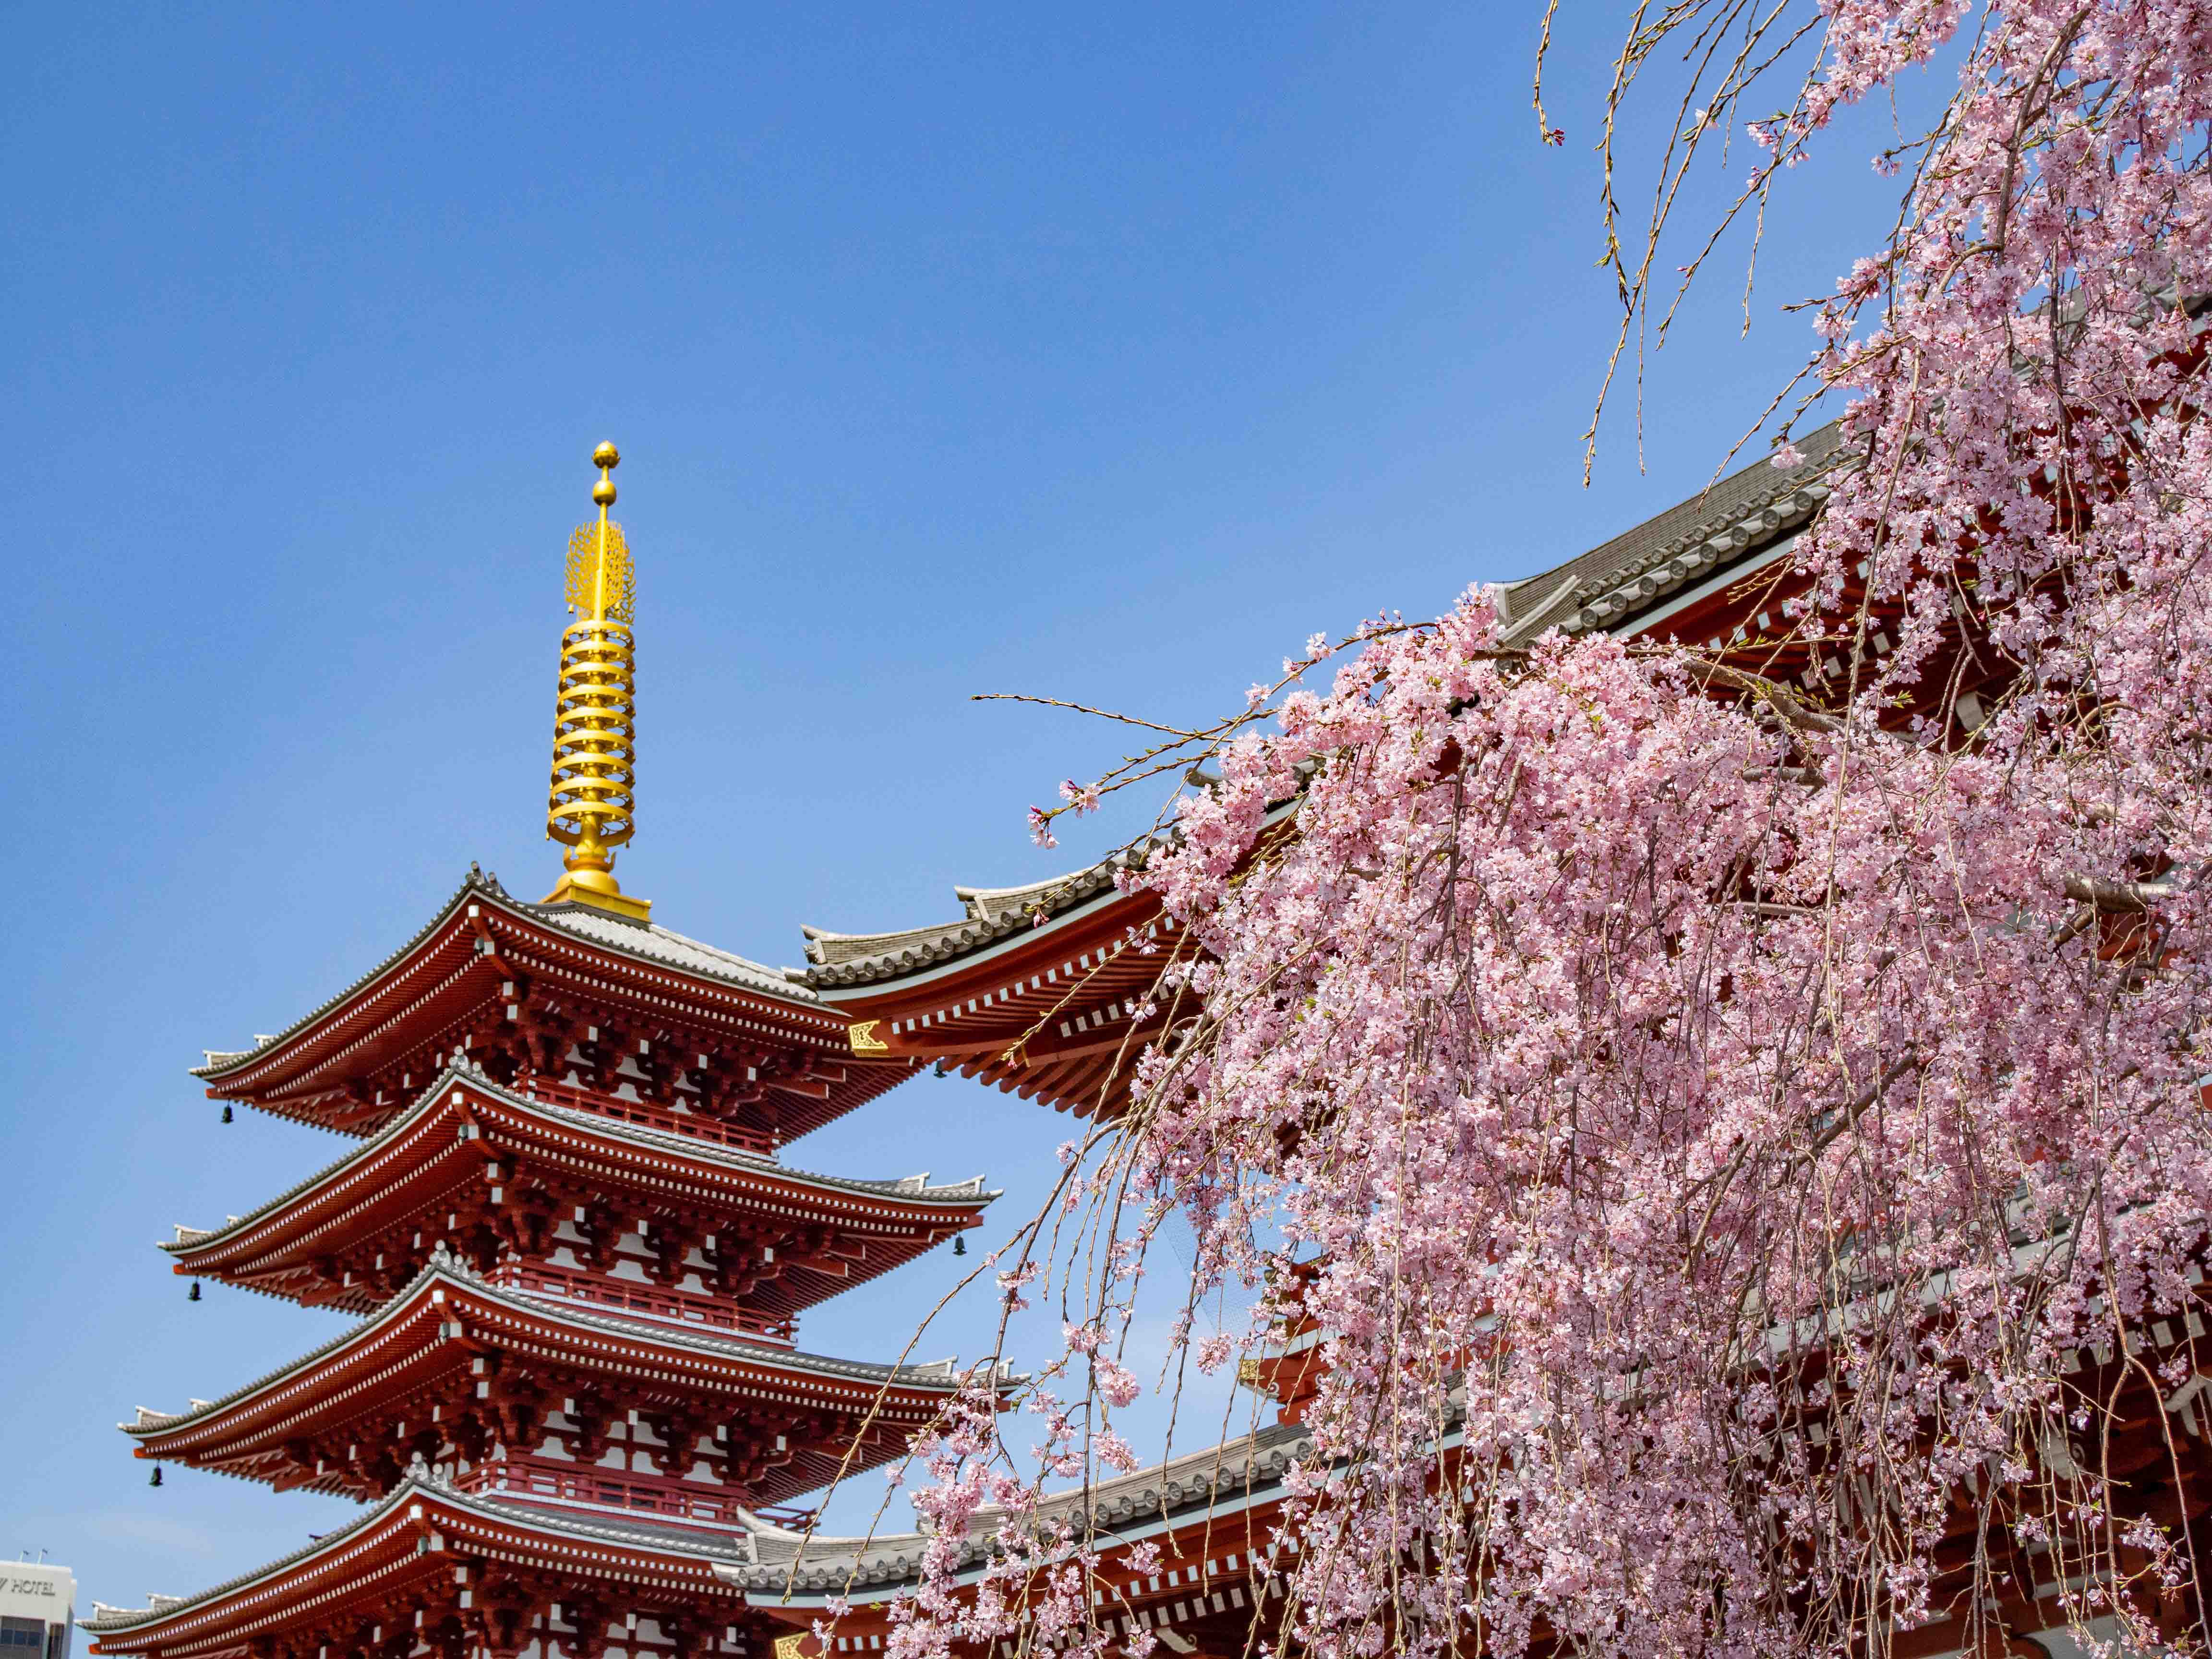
pixel 592 806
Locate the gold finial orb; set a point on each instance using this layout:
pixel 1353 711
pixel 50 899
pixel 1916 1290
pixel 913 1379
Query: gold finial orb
pixel 607 457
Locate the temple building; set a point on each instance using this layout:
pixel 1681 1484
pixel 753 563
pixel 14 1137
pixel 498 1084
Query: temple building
pixel 573 1400
pixel 1041 990
pixel 577 1258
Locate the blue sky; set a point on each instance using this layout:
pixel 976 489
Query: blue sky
pixel 950 350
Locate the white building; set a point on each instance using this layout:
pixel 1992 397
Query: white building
pixel 37 1608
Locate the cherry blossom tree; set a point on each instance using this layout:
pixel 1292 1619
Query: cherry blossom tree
pixel 1715 1118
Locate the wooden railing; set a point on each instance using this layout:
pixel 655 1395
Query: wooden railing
pixel 604 1290
pixel 650 1116
pixel 531 1478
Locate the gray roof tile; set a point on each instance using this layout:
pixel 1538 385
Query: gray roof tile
pixel 1646 557
pixel 661 944
pixel 990 913
pixel 1248 1464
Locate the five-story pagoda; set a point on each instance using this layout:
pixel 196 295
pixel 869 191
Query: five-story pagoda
pixel 577 1259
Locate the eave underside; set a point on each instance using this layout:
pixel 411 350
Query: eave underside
pixel 465 1366
pixel 1057 1015
pixel 432 1564
pixel 438 1158
pixel 488 963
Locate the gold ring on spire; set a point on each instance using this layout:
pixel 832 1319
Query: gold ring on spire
pixel 591 807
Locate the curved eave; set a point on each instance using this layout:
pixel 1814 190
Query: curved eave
pixel 1059 1013
pixel 660 968
pixel 224 1068
pixel 958 974
pixel 445 1294
pixel 421 1523
pixel 1055 1012
pixel 200 1614
pixel 315 1210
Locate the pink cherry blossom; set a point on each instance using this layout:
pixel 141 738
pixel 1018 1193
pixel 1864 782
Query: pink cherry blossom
pixel 1712 1127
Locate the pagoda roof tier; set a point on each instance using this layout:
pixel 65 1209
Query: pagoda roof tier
pixel 468 1143
pixel 430 1561
pixel 468 1362
pixel 538 990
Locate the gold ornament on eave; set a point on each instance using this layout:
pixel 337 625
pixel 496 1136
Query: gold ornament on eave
pixel 591 806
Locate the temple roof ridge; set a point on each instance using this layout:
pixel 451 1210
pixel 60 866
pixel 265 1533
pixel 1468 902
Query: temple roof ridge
pixel 452 1271
pixel 1258 1459
pixel 1605 584
pixel 707 1151
pixel 988 915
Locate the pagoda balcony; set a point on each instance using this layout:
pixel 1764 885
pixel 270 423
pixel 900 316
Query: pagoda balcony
pixel 642 1301
pixel 666 1119
pixel 566 1486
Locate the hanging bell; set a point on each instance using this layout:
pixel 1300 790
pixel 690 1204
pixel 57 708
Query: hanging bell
pixel 226 1115
pixel 156 1481
pixel 194 1297
pixel 959 1245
